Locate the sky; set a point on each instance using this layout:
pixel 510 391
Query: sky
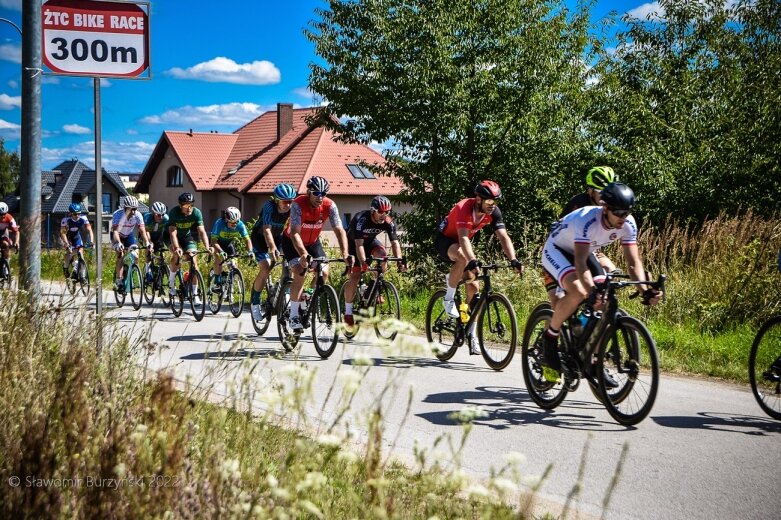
pixel 215 66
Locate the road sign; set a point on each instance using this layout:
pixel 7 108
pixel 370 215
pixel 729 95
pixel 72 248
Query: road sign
pixel 95 38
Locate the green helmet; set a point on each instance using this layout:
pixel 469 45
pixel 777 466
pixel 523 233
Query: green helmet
pixel 600 176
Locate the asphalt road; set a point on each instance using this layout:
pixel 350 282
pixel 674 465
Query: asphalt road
pixel 705 451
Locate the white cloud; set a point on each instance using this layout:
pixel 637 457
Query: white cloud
pixel 105 83
pixel 131 131
pixel 13 83
pixel 10 102
pixel 207 117
pixel 14 5
pixel 653 10
pixel 76 129
pixel 50 80
pixel 11 52
pixel 115 156
pixel 225 70
pixel 10 131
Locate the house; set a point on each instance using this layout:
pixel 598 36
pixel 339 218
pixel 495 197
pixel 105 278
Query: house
pixel 242 168
pixel 71 181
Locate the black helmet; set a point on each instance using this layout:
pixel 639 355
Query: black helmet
pixel 318 183
pixel 617 195
pixel 186 198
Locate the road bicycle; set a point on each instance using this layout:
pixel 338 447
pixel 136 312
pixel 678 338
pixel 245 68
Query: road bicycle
pixel 132 282
pixel 189 286
pixel 78 273
pixel 320 311
pixel 6 278
pixel 156 278
pixel 490 315
pixel 231 289
pixel 613 352
pixel 764 365
pixel 378 298
pixel 269 297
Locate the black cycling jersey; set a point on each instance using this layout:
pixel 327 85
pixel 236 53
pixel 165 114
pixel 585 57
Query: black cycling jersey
pixel 581 200
pixel 362 227
pixel 269 216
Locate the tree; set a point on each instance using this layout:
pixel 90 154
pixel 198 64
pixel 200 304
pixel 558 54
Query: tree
pixel 10 166
pixel 464 90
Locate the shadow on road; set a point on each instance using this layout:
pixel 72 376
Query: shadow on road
pixel 407 362
pixel 745 424
pixel 233 355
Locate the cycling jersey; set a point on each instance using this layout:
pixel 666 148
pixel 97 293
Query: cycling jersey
pixel 462 216
pixel 126 226
pixel 581 200
pixel 362 227
pixel 158 231
pixel 269 216
pixel 7 222
pixel 312 219
pixel 184 224
pixel 74 228
pixel 225 235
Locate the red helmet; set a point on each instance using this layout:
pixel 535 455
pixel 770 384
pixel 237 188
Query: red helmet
pixel 381 204
pixel 488 190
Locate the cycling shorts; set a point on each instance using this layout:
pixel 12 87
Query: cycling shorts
pixel 442 244
pixel 291 255
pixel 228 247
pixel 557 264
pixel 374 248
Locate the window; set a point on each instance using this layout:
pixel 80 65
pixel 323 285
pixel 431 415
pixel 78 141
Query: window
pixel 106 203
pixel 174 179
pixel 360 172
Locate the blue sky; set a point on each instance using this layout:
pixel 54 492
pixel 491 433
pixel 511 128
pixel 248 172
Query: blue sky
pixel 215 66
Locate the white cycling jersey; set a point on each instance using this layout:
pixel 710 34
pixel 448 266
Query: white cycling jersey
pixel 126 226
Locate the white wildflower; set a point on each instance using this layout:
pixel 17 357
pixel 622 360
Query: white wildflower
pixel 504 485
pixel 477 491
pixel 514 458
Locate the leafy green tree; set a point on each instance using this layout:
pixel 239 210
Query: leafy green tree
pixel 464 90
pixel 10 166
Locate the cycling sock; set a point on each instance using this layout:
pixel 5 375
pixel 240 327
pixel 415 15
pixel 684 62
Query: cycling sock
pixel 348 308
pixel 255 297
pixel 171 281
pixel 450 293
pixel 551 332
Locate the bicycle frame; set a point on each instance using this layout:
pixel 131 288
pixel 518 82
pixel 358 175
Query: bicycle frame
pixel 368 300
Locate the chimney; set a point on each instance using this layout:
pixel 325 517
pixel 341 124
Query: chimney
pixel 284 119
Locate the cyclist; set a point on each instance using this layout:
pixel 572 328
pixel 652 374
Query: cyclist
pixel 266 236
pixel 301 237
pixel 8 224
pixel 70 231
pixel 596 179
pixel 225 231
pixel 566 253
pixel 362 234
pixel 156 233
pixel 453 243
pixel 181 221
pixel 124 223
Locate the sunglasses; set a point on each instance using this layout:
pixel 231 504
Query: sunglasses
pixel 320 194
pixel 620 213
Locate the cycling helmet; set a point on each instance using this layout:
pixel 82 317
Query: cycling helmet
pixel 232 214
pixel 3 208
pixel 75 207
pixel 318 183
pixel 158 208
pixel 488 190
pixel 381 204
pixel 285 192
pixel 129 202
pixel 618 196
pixel 600 176
pixel 186 198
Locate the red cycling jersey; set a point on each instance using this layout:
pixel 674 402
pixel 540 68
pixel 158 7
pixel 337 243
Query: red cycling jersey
pixel 7 222
pixel 312 219
pixel 463 216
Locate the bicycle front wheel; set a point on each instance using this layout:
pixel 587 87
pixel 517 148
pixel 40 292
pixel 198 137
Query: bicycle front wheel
pixel 546 394
pixel 135 287
pixel 325 321
pixel 214 298
pixel 387 310
pixel 764 367
pixel 119 290
pixel 497 331
pixel 350 332
pixel 287 337
pixel 5 274
pixel 70 283
pixel 266 311
pixel 236 294
pixel 197 295
pixel 629 358
pixel 177 299
pixel 161 284
pixel 83 274
pixel 440 327
pixel 149 287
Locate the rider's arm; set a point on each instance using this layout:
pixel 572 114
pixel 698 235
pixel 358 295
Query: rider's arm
pixel 88 227
pixel 174 238
pixel 64 235
pixel 634 263
pixel 506 243
pixel 336 225
pixel 295 229
pixel 359 252
pixel 268 236
pixel 204 236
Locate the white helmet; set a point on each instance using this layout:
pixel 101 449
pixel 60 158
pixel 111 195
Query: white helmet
pixel 3 208
pixel 159 208
pixel 129 202
pixel 232 214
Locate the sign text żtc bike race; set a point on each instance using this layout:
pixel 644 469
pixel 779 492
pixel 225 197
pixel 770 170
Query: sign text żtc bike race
pixel 92 38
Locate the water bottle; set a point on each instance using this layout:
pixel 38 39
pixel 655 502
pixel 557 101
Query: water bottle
pixel 363 291
pixel 580 323
pixel 463 311
pixel 186 276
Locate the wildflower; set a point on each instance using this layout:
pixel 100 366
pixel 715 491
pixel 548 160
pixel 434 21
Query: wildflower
pixel 504 485
pixel 514 458
pixel 477 491
pixel 330 440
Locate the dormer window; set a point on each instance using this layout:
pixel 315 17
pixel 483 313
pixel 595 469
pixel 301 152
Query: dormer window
pixel 174 177
pixel 360 172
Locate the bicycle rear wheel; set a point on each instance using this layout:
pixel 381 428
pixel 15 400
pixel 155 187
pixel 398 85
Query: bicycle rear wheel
pixel 197 295
pixel 83 274
pixel 630 358
pixel 350 332
pixel 135 287
pixel 161 284
pixel 441 328
pixel 288 339
pixel 266 311
pixel 497 331
pixel 546 394
pixel 214 298
pixel 236 294
pixel 388 312
pixel 5 274
pixel 325 321
pixel 764 367
pixel 177 300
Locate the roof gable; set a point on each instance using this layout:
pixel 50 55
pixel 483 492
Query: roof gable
pixel 202 155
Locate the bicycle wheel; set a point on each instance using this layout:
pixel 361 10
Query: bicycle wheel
pixel 266 311
pixel 624 343
pixel 288 339
pixel 149 287
pixel 764 367
pixel 83 274
pixel 545 394
pixel 135 287
pixel 197 295
pixel 236 294
pixel 350 332
pixel 388 312
pixel 70 283
pixel 212 296
pixel 119 290
pixel 497 331
pixel 325 320
pixel 5 274
pixel 177 300
pixel 161 284
pixel 441 329
pixel 635 368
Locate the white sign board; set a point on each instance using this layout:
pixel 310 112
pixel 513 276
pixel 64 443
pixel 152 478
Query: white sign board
pixel 95 38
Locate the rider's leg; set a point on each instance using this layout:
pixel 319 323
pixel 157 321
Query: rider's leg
pixel 260 280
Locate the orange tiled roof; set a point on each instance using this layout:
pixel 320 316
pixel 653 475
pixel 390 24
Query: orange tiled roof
pixel 202 155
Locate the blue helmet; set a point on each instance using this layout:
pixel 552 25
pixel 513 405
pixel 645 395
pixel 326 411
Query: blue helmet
pixel 75 207
pixel 285 192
